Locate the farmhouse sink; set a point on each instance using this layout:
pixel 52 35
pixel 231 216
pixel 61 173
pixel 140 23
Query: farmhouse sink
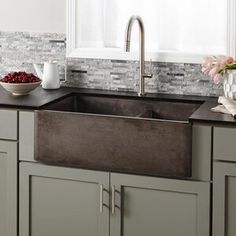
pixel 115 133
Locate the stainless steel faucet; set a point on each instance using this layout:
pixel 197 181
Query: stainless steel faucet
pixel 142 74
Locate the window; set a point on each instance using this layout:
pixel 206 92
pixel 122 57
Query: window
pixel 176 30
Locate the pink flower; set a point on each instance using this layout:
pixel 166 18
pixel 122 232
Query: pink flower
pixel 214 71
pixel 221 62
pixel 221 59
pixel 229 60
pixel 217 78
pixel 206 70
pixel 207 63
pixel 216 66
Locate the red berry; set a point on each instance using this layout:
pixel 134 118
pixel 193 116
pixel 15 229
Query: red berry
pixel 20 77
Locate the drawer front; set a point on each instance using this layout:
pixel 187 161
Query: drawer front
pixel 8 124
pixel 224 144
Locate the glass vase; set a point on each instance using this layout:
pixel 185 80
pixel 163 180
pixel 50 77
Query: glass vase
pixel 230 84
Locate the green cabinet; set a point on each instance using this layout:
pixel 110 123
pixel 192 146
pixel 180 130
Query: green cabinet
pixel 26 136
pixel 224 181
pixel 8 124
pixel 58 201
pixel 224 143
pixel 8 188
pixel 224 199
pixel 159 206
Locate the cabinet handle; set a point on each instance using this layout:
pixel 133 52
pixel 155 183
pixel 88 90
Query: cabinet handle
pixel 101 204
pixel 113 199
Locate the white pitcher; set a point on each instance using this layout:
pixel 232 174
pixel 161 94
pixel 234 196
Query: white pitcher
pixel 49 76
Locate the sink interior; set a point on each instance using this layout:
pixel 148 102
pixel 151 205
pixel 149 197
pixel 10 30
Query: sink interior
pixel 127 106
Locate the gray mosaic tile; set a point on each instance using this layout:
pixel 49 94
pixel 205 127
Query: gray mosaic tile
pixel 19 50
pixel 171 78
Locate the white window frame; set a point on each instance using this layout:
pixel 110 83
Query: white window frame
pixel 73 52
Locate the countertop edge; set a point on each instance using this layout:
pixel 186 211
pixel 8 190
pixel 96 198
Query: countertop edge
pixel 39 98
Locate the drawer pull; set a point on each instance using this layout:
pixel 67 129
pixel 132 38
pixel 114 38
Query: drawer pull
pixel 113 199
pixel 102 204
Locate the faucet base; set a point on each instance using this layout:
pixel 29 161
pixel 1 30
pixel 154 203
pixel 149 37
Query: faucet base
pixel 141 94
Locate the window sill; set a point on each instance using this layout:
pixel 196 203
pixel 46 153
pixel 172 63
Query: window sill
pixel 117 54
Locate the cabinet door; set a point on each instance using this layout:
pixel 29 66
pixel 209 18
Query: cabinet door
pixel 224 199
pixel 57 201
pixel 8 188
pixel 156 206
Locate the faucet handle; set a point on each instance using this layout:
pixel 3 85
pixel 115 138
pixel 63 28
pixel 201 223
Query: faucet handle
pixel 148 75
pixel 150 69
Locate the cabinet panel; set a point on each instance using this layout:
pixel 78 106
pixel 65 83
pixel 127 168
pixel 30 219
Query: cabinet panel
pixel 62 201
pixel 224 199
pixel 26 135
pixel 3 195
pixel 156 210
pixel 8 124
pixel 224 144
pixel 201 152
pixel 8 188
pixel 155 206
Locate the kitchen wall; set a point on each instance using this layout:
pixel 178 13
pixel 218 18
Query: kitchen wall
pixel 33 15
pixel 19 50
pixel 28 27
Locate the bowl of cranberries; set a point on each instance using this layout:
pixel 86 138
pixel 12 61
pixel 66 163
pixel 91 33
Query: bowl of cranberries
pixel 20 83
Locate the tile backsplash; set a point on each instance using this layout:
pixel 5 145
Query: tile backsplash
pixel 18 50
pixel 174 78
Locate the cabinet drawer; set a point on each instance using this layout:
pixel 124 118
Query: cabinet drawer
pixel 224 144
pixel 8 124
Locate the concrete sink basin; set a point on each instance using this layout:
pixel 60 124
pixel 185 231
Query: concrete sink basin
pixel 112 133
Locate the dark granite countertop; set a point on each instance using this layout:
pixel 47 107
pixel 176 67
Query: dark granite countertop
pixel 38 98
pixel 204 114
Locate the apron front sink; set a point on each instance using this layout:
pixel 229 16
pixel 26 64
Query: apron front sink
pixel 131 135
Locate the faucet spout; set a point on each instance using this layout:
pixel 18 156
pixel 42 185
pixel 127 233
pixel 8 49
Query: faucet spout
pixel 142 74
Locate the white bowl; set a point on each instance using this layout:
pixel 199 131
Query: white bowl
pixel 20 88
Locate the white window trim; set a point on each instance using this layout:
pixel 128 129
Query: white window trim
pixel 73 52
pixel 231 28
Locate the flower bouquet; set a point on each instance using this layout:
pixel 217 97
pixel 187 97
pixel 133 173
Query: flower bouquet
pixel 218 66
